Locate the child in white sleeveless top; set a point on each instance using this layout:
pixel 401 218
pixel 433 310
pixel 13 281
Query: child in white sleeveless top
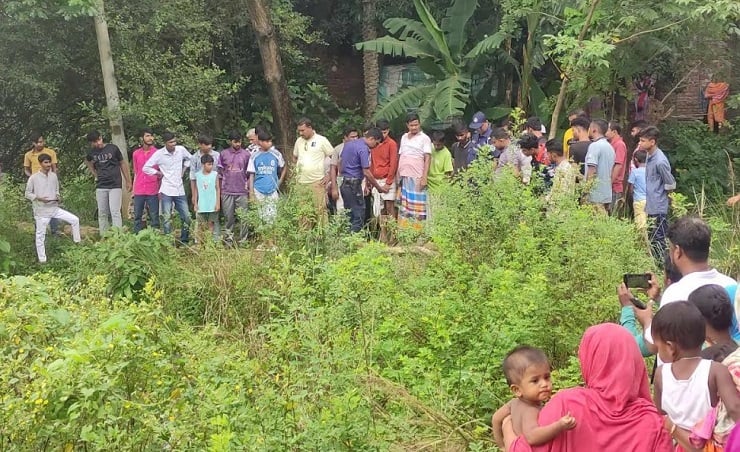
pixel 687 387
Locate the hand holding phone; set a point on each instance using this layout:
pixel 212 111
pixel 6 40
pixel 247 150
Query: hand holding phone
pixel 637 280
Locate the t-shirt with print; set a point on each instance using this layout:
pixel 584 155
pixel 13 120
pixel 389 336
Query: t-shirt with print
pixel 637 179
pixel 206 184
pixel 355 158
pixel 311 155
pixel 412 151
pixel 601 155
pixel 441 165
pixel 266 166
pixel 107 164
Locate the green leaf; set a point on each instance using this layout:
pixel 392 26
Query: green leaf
pixel 436 33
pixel 497 112
pixel 431 67
pixel 453 24
pixel 451 96
pixel 404 101
pixel 388 45
pixel 490 43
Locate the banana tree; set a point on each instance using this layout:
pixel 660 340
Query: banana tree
pixel 443 52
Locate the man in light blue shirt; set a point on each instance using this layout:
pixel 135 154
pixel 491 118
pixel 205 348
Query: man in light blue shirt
pixel 599 164
pixel 659 183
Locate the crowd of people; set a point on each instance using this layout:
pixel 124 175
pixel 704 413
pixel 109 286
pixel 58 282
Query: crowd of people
pixel 696 386
pixel 368 175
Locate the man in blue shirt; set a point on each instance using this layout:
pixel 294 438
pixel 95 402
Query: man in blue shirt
pixel 659 183
pixel 599 164
pixel 481 134
pixel 354 164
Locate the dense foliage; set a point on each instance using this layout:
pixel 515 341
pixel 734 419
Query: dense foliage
pixel 329 343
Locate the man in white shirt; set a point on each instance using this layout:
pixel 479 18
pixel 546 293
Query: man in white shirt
pixel 689 238
pixel 42 189
pixel 415 157
pixel 170 163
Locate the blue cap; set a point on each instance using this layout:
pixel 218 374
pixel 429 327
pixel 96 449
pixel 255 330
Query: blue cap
pixel 478 119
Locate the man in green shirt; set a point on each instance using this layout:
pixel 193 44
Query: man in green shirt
pixel 440 170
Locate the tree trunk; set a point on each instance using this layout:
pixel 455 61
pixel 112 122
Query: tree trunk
pixel 272 66
pixel 370 60
pixel 564 85
pixel 118 136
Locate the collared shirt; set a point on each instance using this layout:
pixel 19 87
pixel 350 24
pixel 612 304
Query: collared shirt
pixel 172 166
pixel 620 158
pixel 461 155
pixel 232 167
pixel 412 151
pixel 144 184
pixel 46 186
pixel 31 159
pixel 481 139
pixel 355 158
pixel 658 181
pixel 196 166
pixel 601 156
pixel 384 160
pixel 311 155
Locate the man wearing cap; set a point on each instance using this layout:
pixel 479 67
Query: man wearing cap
pixel 481 133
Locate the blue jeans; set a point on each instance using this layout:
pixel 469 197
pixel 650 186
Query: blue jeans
pixel 181 205
pixel 657 230
pixel 152 203
pixel 354 202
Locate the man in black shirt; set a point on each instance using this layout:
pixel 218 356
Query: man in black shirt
pixel 579 145
pixel 106 164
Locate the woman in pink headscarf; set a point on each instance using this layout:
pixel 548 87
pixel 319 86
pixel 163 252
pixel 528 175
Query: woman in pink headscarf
pixel 614 412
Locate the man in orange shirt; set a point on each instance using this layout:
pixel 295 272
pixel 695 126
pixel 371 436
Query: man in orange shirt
pixel 383 165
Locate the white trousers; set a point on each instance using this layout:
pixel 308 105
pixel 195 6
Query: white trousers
pixel 43 221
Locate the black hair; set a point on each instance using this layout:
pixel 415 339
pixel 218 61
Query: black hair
pixel 259 128
pixel 499 133
pixel 517 360
pixel 580 121
pixel 36 136
pixel 640 156
pixel 411 117
pixel 437 136
pixel 382 124
pixel 374 132
pixel 615 126
pixel 505 122
pixel 305 122
pixel 93 136
pixel 533 123
pixel 693 235
pixel 577 113
pixel 460 128
pixel 144 131
pixel 529 141
pixel 601 125
pixel 44 157
pixel 651 133
pixel 555 146
pixel 264 135
pixel 714 304
pixel 206 158
pixel 349 129
pixel 168 136
pixel 639 124
pixel 680 322
pixel 719 352
pixel 671 272
pixel 205 139
pixel 235 135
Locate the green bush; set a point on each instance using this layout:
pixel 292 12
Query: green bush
pixel 703 162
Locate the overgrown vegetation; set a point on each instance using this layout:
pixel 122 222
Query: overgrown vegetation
pixel 328 343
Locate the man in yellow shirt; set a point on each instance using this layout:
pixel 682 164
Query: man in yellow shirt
pixel 31 163
pixel 568 137
pixel 309 154
pixel 32 166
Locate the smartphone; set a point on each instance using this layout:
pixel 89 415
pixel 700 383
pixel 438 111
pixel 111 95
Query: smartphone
pixel 637 280
pixel 638 303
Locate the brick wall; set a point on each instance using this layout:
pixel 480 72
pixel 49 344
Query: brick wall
pixel 344 77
